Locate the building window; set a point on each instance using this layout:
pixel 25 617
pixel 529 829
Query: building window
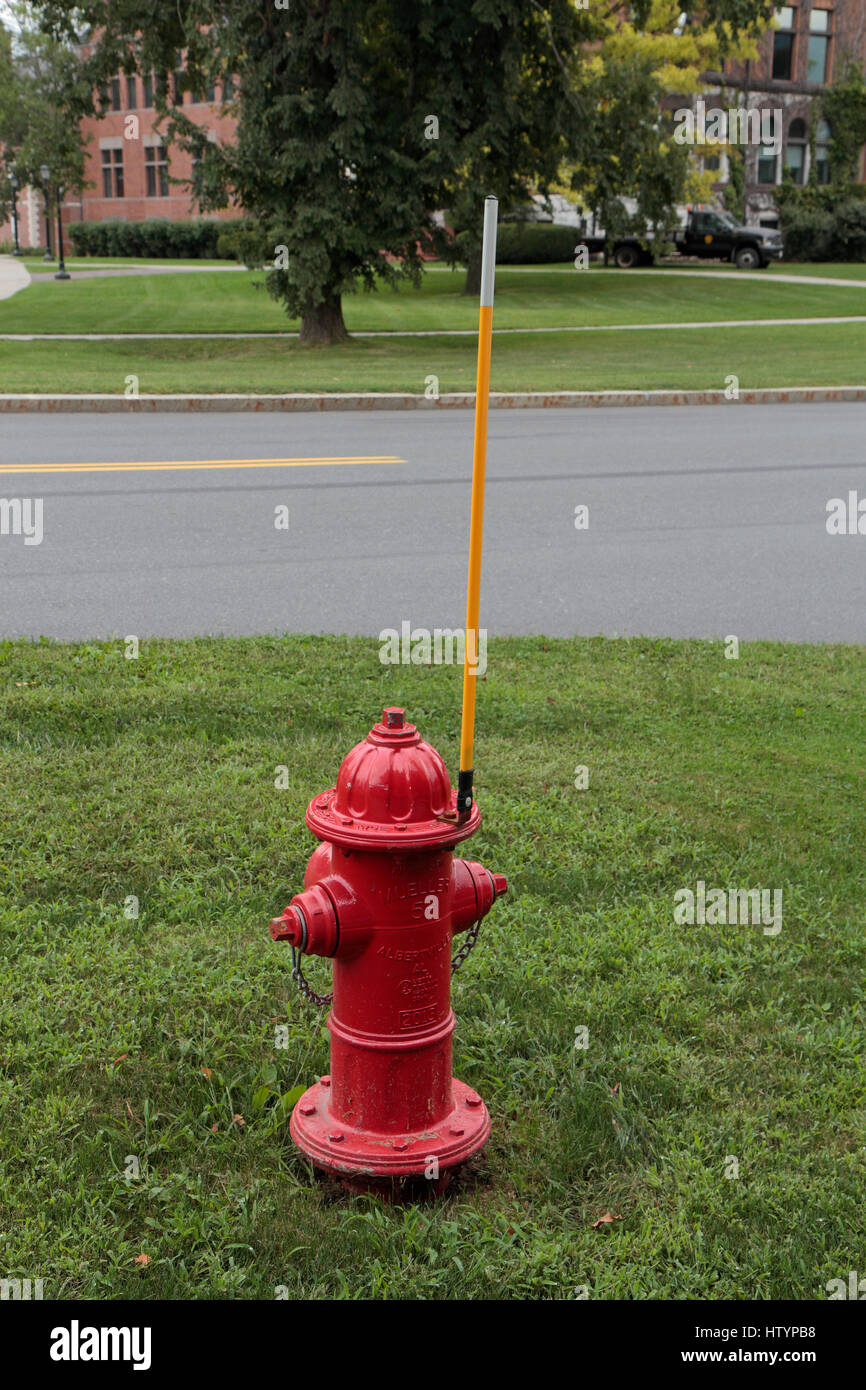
pixel 156 169
pixel 147 95
pixel 131 93
pixel 823 136
pixel 766 164
pixel 819 45
pixel 228 88
pixel 112 173
pixel 783 43
pixel 795 153
pixel 115 93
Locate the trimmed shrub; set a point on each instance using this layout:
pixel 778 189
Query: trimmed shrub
pixel 809 235
pixel 247 241
pixel 535 243
pixel 824 223
pixel 156 237
pixel 850 231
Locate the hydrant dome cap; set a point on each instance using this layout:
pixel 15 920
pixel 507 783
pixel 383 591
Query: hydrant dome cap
pixel 393 791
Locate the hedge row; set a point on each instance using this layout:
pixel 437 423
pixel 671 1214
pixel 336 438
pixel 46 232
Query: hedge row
pixel 535 243
pixel 825 234
pixel 518 243
pixel 155 237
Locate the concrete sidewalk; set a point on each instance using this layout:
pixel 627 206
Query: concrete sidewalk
pixel 14 276
pixel 121 270
pixel 266 335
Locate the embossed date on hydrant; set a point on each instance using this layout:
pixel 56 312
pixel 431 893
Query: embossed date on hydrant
pixel 416 1018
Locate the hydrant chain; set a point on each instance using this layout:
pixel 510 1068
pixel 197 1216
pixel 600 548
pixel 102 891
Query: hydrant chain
pixel 471 939
pixel 320 1000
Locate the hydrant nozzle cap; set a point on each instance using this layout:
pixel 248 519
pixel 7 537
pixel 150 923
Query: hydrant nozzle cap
pixel 288 927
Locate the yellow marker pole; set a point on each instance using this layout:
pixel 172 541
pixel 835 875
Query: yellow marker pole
pixel 476 524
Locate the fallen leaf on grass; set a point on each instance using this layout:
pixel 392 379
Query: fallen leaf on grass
pixel 605 1220
pixel 142 1259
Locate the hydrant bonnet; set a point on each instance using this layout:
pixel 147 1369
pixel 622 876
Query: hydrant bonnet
pixel 393 791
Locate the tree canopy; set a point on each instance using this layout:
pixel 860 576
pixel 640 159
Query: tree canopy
pixel 357 119
pixel 44 91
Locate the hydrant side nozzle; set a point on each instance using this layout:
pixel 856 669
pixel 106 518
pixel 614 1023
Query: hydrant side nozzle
pixel 290 927
pixel 317 930
pixel 500 884
pixel 475 891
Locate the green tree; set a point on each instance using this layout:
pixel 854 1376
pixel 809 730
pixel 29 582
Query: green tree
pixel 356 120
pixel 647 58
pixel 528 110
pixel 12 124
pixel 43 94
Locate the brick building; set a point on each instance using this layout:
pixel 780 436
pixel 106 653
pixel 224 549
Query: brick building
pixel 796 61
pixel 130 172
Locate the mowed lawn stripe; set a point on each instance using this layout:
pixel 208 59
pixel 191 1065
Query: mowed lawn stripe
pixel 662 359
pixel 215 301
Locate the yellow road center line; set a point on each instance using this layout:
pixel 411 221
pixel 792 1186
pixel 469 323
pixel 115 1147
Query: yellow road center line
pixel 191 464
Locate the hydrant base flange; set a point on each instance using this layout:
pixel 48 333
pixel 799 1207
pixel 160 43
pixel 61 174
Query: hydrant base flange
pixel 340 1148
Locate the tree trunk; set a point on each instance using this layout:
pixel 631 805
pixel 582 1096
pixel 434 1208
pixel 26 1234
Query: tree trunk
pixel 473 274
pixel 323 324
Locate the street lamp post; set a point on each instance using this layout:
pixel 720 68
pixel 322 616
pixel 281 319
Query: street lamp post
pixel 13 184
pixel 45 175
pixel 62 272
pixel 49 253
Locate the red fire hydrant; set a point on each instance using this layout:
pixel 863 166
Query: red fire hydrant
pixel 383 896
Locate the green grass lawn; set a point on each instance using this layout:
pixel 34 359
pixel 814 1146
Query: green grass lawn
pixel 804 355
pixel 760 356
pixel 224 303
pixel 154 1037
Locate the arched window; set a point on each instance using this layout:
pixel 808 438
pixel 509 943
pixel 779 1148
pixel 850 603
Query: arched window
pixel 795 154
pixel 823 136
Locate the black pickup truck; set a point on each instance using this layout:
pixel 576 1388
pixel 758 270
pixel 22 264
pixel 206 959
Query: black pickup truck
pixel 712 235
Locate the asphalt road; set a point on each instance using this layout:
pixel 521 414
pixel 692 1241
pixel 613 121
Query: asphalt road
pixel 703 521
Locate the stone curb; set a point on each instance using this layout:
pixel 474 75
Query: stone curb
pixel 787 395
